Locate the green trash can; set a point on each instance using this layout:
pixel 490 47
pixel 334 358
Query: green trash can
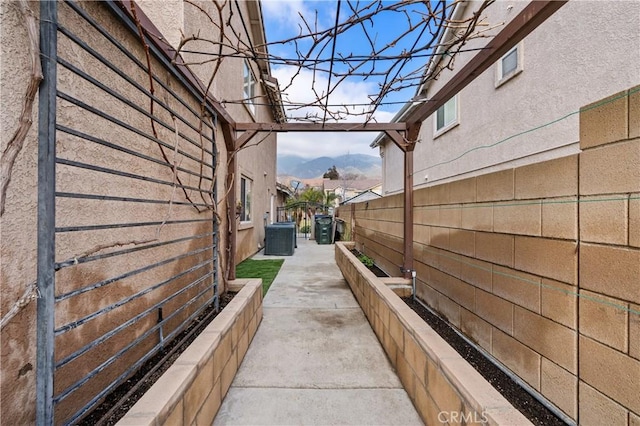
pixel 324 229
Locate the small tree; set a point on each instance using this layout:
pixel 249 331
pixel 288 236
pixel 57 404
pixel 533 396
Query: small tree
pixel 312 195
pixel 330 198
pixel 332 173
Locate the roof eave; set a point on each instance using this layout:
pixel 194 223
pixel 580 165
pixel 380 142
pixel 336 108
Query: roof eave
pixel 458 10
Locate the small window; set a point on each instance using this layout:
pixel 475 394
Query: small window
pixel 510 62
pixel 447 116
pixel 249 87
pixel 509 65
pixel 245 199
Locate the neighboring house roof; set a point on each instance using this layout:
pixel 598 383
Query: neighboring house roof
pixel 269 82
pixel 331 185
pixel 363 196
pixel 284 189
pixel 287 181
pixel 313 183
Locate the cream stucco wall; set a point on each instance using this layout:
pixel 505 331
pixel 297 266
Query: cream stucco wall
pixel 17 227
pixel 18 244
pixel 585 51
pixel 168 16
pixel 257 161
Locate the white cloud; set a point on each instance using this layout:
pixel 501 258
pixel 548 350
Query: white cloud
pixel 312 145
pixel 286 11
pixel 286 16
pixel 284 20
pixel 347 93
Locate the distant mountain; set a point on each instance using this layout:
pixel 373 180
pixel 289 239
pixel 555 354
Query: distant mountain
pixel 361 164
pixel 289 162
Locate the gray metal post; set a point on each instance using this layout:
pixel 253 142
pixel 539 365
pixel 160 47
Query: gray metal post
pixel 216 230
pixel 46 213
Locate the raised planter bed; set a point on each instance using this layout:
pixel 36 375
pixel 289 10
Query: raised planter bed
pixel 442 385
pixel 192 389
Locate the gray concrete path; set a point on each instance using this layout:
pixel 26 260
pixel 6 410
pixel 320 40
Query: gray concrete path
pixel 315 359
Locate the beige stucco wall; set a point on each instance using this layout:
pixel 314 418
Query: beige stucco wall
pixel 19 223
pixel 168 16
pixel 257 161
pixel 585 51
pixel 17 227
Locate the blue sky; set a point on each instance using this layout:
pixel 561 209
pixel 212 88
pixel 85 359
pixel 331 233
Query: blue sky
pixel 282 21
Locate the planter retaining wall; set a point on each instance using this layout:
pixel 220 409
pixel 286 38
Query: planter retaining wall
pixel 191 390
pixel 441 384
pixel 538 264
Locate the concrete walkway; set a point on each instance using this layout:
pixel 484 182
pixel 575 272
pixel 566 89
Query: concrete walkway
pixel 315 359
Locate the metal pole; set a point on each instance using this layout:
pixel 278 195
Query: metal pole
pixel 407 266
pixel 215 230
pixel 46 214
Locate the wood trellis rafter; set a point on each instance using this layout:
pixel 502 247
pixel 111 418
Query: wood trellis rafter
pixel 404 133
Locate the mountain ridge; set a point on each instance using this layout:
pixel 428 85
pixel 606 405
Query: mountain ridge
pixel 368 166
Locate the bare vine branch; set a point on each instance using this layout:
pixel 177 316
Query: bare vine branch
pixel 15 144
pixel 143 40
pixel 392 70
pixel 30 293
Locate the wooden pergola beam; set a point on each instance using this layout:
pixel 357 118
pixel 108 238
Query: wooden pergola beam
pixel 517 29
pixel 397 139
pixel 319 127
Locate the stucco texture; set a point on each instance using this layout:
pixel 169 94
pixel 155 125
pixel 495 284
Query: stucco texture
pixel 19 223
pixel 18 226
pixel 256 161
pixel 194 257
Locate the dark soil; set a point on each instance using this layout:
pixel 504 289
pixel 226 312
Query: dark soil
pixel 537 413
pixel 178 345
pixel 377 271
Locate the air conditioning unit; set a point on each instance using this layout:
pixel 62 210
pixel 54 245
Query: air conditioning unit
pixel 280 239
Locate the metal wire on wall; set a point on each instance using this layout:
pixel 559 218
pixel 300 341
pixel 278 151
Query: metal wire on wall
pixel 127 250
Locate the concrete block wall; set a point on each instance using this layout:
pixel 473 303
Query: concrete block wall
pixel 609 258
pixel 443 387
pixel 378 230
pixel 540 264
pixel 499 259
pixel 191 391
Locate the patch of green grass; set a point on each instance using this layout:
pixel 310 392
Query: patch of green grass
pixel 266 269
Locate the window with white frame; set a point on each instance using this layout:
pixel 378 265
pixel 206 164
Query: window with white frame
pixel 249 87
pixel 446 116
pixel 245 199
pixel 509 65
